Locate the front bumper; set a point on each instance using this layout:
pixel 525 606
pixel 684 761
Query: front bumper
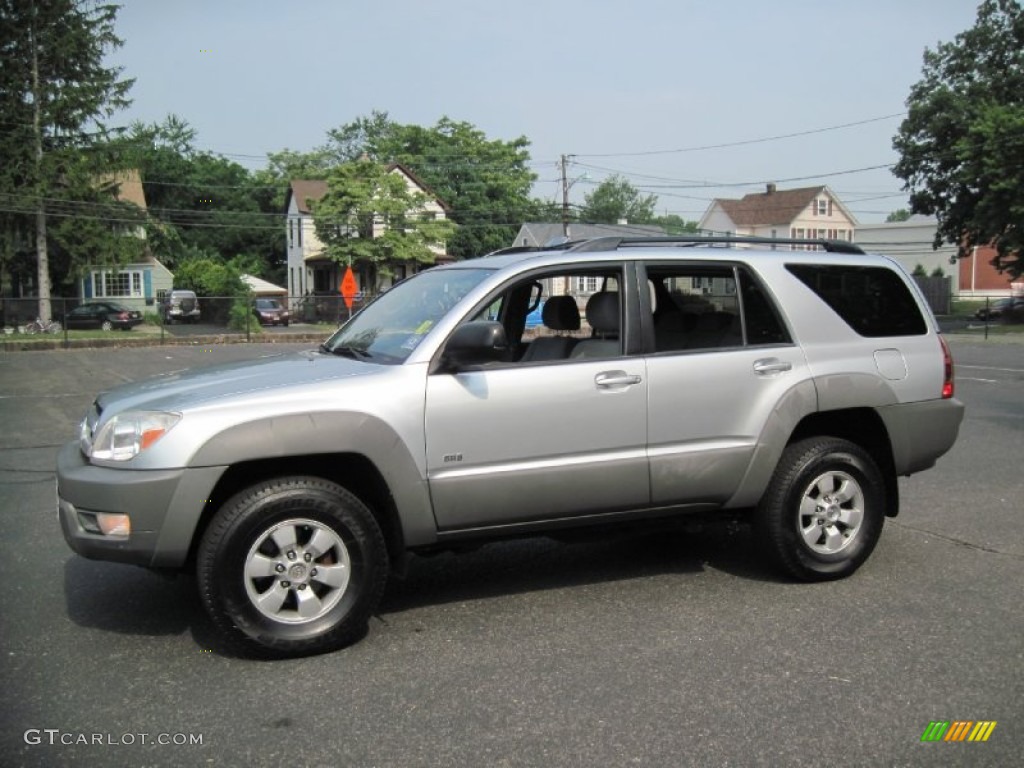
pixel 164 507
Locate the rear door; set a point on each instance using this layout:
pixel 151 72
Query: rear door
pixel 721 362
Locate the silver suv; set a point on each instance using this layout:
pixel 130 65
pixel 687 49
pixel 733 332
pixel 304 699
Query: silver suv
pixel 795 380
pixel 180 307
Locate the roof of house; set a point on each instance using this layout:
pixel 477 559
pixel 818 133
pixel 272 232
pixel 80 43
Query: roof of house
pixel 773 207
pixel 304 190
pixel 542 233
pixel 261 287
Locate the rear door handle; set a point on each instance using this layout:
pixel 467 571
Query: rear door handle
pixel 609 379
pixel 769 365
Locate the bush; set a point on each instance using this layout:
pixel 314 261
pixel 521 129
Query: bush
pixel 240 315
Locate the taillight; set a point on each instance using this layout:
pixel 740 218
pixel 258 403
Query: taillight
pixel 123 316
pixel 947 374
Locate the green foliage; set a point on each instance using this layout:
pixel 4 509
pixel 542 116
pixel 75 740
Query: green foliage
pixel 240 316
pixel 615 199
pixel 55 93
pixel 371 215
pixel 201 201
pixel 677 225
pixel 900 214
pixel 938 272
pixel 919 271
pixel 962 144
pixel 486 183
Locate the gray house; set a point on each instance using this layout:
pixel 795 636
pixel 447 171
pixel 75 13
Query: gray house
pixel 538 234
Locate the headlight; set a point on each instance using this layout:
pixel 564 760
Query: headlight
pixel 128 434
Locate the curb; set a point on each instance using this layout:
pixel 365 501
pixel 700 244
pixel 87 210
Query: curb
pixel 155 341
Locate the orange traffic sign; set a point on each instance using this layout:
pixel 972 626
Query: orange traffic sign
pixel 349 289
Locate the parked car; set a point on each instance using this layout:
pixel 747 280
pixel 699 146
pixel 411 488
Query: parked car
pixel 104 315
pixel 1011 307
pixel 271 312
pixel 180 306
pixel 795 387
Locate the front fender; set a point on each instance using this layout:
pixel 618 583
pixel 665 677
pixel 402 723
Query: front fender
pixel 328 433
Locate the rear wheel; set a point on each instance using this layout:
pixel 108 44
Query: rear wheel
pixel 823 511
pixel 106 325
pixel 291 567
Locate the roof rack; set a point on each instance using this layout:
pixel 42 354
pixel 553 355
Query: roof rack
pixel 690 241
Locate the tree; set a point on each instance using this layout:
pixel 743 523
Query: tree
pixel 197 200
pixel 962 144
pixel 370 215
pixel 614 200
pixel 485 182
pixel 677 225
pixel 54 93
pixel 900 214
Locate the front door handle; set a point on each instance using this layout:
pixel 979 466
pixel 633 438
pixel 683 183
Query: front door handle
pixel 770 365
pixel 609 379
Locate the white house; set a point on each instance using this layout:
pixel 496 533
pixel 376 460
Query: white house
pixel 808 212
pixel 310 271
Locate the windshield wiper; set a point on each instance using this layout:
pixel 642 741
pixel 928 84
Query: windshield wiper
pixel 343 351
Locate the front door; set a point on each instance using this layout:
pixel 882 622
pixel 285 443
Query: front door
pixel 537 442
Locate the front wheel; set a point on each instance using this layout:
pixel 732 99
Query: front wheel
pixel 291 567
pixel 823 511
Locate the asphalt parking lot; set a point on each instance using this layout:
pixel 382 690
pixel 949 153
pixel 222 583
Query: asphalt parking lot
pixel 667 648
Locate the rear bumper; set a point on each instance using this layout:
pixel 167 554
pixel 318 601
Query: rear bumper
pixel 921 432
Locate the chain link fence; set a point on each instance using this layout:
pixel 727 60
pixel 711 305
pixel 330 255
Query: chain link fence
pixel 121 319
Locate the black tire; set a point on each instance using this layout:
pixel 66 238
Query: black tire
pixel 285 323
pixel 810 533
pixel 258 606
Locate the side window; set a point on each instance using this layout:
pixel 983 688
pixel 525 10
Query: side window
pixel 694 307
pixel 873 301
pixel 764 326
pixel 561 315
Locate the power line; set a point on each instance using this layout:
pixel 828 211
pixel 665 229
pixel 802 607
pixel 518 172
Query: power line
pixel 744 142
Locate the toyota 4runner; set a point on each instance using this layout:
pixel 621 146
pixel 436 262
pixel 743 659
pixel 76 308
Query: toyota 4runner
pixel 794 379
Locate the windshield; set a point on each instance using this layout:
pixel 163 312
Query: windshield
pixel 390 328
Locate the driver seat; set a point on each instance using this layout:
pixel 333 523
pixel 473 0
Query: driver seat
pixel 560 313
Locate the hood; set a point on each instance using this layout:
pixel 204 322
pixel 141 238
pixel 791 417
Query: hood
pixel 187 388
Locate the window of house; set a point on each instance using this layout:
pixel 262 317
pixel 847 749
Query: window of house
pixel 823 207
pixel 121 284
pixel 291 233
pixel 298 227
pixel 586 284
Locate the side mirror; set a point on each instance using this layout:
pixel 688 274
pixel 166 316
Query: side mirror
pixel 481 341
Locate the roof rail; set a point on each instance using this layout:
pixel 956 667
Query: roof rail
pixel 689 241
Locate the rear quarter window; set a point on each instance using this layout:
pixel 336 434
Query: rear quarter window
pixel 873 301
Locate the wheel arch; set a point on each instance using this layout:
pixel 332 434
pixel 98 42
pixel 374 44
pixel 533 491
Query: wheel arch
pixel 864 427
pixel 353 471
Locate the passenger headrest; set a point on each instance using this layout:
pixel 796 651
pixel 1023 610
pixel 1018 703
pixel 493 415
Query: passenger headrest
pixel 603 312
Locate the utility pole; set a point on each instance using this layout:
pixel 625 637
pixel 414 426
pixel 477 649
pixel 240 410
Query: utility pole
pixel 565 195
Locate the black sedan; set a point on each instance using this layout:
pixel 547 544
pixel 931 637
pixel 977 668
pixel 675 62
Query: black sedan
pixel 1008 309
pixel 104 315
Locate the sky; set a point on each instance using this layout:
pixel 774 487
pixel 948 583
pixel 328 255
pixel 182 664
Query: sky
pixel 648 89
